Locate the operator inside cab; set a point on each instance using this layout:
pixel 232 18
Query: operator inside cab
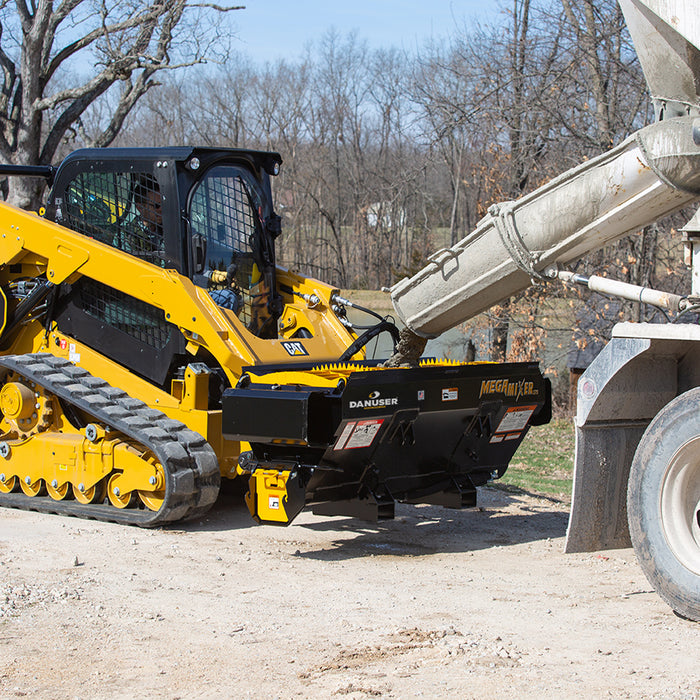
pixel 149 204
pixel 231 295
pixel 146 238
pixel 227 210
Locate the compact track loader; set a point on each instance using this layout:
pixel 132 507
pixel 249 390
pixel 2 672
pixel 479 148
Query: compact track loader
pixel 150 346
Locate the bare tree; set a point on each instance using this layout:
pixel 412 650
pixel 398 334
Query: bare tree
pixel 127 44
pixel 604 76
pixel 448 98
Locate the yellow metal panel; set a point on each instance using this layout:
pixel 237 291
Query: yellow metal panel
pixel 268 495
pixel 196 390
pixel 67 258
pixel 11 244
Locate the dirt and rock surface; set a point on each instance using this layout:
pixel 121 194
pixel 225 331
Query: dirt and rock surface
pixel 478 603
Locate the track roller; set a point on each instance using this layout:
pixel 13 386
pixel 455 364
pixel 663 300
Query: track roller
pixel 124 462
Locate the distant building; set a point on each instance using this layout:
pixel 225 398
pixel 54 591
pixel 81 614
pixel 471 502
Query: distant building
pixel 385 215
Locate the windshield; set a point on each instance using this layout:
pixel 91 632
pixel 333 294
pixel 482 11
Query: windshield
pixel 227 209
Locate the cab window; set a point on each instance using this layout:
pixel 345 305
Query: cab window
pixel 226 210
pixel 123 210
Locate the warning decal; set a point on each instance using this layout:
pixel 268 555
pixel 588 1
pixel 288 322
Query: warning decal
pixel 451 394
pixel 363 434
pixel 73 355
pixel 513 423
pixel 515 419
pixel 340 444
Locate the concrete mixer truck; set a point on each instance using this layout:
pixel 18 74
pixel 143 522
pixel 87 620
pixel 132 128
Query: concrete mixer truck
pixel 637 462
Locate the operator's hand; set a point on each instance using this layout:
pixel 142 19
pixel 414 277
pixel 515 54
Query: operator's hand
pixel 220 276
pixel 231 274
pixel 216 276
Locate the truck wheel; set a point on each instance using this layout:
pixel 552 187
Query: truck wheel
pixel 663 504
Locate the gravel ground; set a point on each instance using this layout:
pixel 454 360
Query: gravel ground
pixel 479 603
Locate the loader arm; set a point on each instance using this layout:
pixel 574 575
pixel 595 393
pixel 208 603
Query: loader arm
pixel 69 255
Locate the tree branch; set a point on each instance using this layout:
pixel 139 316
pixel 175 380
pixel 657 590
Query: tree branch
pixel 130 95
pixel 58 16
pixel 106 77
pixel 24 14
pixel 103 31
pixel 68 117
pixel 10 75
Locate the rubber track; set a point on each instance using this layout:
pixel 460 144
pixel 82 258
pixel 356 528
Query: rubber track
pixel 190 464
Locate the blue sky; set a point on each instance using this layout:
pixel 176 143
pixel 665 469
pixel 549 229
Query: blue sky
pixel 273 29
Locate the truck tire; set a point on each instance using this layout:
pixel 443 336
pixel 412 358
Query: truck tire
pixel 663 504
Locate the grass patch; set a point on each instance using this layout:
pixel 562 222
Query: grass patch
pixel 544 462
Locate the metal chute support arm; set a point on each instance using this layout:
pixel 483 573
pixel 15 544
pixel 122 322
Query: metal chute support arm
pixel 633 292
pixel 648 176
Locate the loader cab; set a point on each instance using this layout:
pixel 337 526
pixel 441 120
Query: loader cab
pixel 195 210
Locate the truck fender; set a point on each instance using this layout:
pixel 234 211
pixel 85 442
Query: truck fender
pixel 642 369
